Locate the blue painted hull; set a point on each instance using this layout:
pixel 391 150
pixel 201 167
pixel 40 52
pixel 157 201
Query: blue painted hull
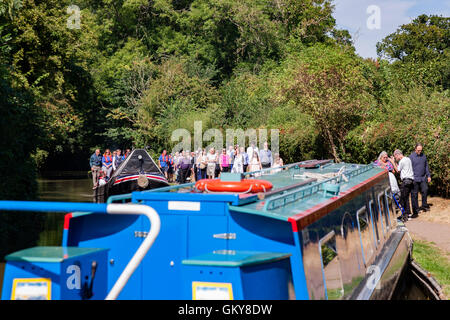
pixel 346 245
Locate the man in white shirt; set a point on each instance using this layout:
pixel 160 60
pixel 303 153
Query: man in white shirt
pixel 407 177
pixel 251 150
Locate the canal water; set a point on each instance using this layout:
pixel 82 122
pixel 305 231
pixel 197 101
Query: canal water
pixel 58 189
pixel 65 190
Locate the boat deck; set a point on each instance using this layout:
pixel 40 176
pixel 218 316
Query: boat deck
pixel 314 184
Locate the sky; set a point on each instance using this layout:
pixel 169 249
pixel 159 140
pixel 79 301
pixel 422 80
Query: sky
pixel 369 21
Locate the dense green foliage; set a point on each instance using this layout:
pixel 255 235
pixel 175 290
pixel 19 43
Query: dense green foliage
pixel 420 51
pixel 20 135
pixel 136 70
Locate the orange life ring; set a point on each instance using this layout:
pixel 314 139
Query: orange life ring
pixel 243 186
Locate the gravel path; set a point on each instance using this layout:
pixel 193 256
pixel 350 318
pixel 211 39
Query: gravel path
pixel 433 225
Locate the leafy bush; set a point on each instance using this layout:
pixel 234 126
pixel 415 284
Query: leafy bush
pixel 327 83
pixel 410 116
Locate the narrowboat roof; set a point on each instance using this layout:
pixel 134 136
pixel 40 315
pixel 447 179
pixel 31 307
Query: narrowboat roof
pixel 50 254
pixel 132 164
pixel 298 189
pixel 325 184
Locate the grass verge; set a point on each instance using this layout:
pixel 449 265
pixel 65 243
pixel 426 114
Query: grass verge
pixel 435 261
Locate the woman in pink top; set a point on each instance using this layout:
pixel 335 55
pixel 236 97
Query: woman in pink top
pixel 224 161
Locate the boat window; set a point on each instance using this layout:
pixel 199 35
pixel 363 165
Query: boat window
pixel 306 239
pixel 330 267
pixel 377 223
pixel 346 225
pixel 313 264
pixel 392 209
pixel 381 223
pixel 350 255
pixel 365 235
pixel 382 203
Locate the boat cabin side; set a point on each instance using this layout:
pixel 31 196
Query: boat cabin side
pixel 330 243
pixel 326 231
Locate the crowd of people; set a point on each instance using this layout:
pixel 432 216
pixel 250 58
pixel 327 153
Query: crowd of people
pixel 185 166
pixel 414 174
pixel 209 164
pixel 103 166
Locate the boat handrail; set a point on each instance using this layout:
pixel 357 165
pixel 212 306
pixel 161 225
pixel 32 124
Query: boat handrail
pixel 155 225
pixel 170 188
pixel 321 164
pixel 292 196
pixel 118 197
pixel 263 195
pixel 101 208
pixel 298 194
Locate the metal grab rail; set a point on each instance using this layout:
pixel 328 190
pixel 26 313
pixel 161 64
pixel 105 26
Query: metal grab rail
pixel 289 197
pixel 155 225
pixel 152 215
pixel 119 197
pixel 301 193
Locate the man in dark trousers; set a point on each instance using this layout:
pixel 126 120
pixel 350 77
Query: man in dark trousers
pixel 185 166
pixel 407 177
pixel 95 162
pixel 422 177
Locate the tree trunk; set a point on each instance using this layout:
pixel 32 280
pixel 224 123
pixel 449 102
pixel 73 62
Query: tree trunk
pixel 342 145
pixel 332 145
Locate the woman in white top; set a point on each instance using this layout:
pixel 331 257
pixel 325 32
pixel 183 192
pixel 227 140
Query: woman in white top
pixel 238 165
pixel 217 169
pixel 211 159
pixel 276 164
pixel 255 164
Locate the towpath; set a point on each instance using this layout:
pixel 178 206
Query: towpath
pixel 433 225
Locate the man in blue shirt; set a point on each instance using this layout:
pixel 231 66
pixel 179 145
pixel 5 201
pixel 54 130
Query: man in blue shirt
pixel 118 159
pixel 95 163
pixel 265 156
pixel 245 157
pixel 422 177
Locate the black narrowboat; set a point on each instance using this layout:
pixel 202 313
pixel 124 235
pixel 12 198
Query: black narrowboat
pixel 137 172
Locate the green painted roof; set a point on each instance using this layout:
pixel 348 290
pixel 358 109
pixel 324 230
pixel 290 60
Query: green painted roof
pixel 49 254
pixel 227 258
pixel 282 204
pixel 289 203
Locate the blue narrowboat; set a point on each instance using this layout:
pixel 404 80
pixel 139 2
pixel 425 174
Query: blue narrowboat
pixel 323 231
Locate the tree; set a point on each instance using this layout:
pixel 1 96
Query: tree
pixel 327 83
pixel 417 114
pixel 19 136
pixel 158 99
pixel 420 50
pixel 50 61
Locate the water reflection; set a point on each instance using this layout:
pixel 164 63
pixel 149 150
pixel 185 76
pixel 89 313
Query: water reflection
pixel 70 190
pixel 65 190
pixel 51 223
